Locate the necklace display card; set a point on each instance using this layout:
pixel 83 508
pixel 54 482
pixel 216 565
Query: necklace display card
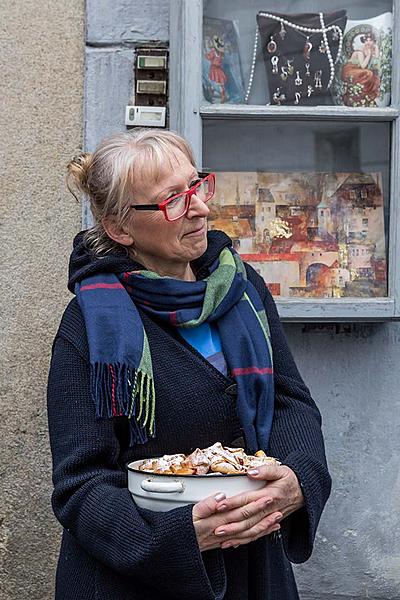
pixel 295 76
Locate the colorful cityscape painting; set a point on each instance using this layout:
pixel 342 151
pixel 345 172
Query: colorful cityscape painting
pixel 310 235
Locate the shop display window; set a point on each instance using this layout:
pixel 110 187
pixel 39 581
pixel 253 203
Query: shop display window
pixel 296 111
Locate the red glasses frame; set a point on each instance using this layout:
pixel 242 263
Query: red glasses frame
pixel 210 177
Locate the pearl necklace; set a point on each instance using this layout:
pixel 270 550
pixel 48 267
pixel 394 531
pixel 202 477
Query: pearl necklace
pixel 324 30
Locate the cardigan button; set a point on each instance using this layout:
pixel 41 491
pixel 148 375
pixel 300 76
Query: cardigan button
pixel 238 442
pixel 231 389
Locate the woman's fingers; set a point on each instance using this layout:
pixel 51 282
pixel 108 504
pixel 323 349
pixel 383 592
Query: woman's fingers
pixel 268 472
pixel 243 499
pixel 254 529
pixel 208 507
pixel 245 517
pixel 252 536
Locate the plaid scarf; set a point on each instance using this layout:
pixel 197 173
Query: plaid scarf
pixel 120 357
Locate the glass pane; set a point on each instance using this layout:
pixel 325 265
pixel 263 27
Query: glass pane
pixel 303 57
pixel 307 204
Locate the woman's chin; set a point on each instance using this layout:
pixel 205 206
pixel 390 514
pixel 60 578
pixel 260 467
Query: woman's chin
pixel 197 247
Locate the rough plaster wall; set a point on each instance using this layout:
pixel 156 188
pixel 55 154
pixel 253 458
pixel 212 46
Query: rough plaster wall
pixel 41 58
pixel 353 374
pixel 352 370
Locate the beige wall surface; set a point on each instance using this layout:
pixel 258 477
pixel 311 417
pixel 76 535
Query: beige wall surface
pixel 41 79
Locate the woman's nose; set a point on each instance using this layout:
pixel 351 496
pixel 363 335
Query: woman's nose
pixel 197 208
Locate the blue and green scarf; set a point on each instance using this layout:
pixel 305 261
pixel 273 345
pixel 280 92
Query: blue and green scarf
pixel 122 381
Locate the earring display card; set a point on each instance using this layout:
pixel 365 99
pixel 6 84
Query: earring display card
pixel 309 234
pixel 300 52
pixel 221 67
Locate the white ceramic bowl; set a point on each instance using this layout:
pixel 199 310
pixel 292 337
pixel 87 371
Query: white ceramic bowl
pixel 165 492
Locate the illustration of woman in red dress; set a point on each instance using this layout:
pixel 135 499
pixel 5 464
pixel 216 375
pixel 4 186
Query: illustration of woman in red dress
pixel 217 74
pixel 362 72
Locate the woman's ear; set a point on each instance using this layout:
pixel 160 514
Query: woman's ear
pixel 116 232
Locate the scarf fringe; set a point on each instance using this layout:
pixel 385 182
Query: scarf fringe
pixel 119 390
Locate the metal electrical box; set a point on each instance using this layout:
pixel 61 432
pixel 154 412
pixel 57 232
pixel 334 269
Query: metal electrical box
pixel 150 94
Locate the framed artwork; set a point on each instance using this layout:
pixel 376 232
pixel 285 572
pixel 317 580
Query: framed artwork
pixel 364 71
pixel 221 67
pixel 310 235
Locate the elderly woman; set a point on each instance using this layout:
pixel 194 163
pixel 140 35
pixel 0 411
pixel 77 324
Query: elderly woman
pixel 173 343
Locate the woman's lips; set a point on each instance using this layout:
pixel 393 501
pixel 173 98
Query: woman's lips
pixel 199 231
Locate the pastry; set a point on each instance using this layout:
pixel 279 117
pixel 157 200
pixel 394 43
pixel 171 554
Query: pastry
pixel 214 459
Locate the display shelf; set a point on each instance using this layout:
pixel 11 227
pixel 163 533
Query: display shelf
pixel 336 310
pixel 323 113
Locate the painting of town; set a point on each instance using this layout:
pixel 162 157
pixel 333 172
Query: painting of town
pixel 310 235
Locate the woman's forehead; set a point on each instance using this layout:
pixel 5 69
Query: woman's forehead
pixel 155 170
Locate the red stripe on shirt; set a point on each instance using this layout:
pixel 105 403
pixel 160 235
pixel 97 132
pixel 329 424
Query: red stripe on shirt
pixel 251 370
pixel 108 286
pixel 172 318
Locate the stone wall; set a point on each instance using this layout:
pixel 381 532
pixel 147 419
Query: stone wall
pixel 42 63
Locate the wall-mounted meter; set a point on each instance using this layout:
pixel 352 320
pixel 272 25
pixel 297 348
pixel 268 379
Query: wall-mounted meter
pixel 145 116
pixel 150 92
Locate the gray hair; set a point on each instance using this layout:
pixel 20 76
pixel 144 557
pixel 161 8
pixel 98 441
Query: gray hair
pixel 108 175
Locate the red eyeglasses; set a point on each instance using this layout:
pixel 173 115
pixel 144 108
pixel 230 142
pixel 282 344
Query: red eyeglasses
pixel 175 207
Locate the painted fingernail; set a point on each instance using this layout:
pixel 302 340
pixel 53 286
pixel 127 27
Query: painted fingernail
pixel 253 472
pixel 220 496
pixel 220 532
pixel 226 545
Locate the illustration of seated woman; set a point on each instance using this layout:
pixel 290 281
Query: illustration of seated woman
pixel 363 71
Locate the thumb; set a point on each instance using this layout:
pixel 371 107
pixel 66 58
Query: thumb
pixel 207 507
pixel 267 473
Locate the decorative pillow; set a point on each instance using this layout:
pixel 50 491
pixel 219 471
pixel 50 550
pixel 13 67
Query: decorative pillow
pixel 221 67
pixel 364 71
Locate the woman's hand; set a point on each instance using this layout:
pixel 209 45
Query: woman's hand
pixel 222 523
pixel 212 514
pixel 251 515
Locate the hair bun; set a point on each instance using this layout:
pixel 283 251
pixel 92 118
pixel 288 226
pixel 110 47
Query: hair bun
pixel 78 170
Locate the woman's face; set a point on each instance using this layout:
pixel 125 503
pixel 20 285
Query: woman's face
pixel 369 42
pixel 163 246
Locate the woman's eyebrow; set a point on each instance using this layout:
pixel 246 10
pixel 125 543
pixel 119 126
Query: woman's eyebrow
pixel 194 175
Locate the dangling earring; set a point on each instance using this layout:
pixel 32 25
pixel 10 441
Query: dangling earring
pixel 272 47
pixel 282 32
pixel 307 49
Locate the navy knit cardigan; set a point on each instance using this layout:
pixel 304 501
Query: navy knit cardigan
pixel 113 550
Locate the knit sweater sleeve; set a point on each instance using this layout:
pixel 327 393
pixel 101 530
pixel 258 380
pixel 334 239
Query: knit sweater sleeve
pixel 92 502
pixel 296 437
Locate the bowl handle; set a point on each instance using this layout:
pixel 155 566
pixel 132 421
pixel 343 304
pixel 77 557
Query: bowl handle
pixel 162 487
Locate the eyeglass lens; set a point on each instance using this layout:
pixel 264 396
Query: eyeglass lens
pixel 177 207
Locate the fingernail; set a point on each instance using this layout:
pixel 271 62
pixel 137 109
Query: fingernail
pixel 236 546
pixel 220 532
pixel 253 472
pixel 276 528
pixel 226 545
pixel 277 519
pixel 267 501
pixel 221 507
pixel 220 496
